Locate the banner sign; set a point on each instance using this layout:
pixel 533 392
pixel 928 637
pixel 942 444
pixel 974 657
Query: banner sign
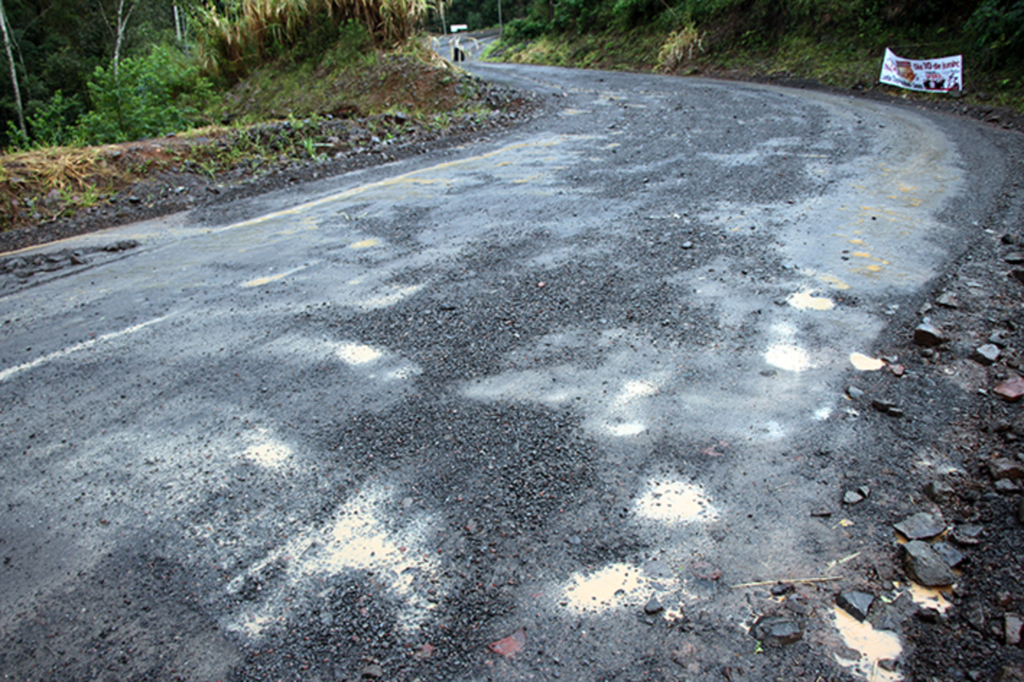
pixel 924 75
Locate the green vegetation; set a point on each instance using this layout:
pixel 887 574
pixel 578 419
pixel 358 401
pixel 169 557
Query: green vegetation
pixel 837 42
pixel 103 71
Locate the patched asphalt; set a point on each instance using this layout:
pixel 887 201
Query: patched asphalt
pixel 462 416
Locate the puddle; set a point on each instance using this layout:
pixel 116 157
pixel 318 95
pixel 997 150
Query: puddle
pixel 611 587
pixel 357 353
pixel 873 646
pixel 928 597
pixel 865 363
pixel 806 300
pixel 675 501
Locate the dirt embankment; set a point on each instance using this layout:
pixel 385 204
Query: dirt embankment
pixel 54 194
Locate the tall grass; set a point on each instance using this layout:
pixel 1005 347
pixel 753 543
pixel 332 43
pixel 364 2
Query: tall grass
pixel 248 32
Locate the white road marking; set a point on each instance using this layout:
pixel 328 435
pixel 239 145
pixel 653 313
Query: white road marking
pixel 84 345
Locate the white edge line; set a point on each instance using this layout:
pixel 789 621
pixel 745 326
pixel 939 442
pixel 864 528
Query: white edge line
pixel 56 355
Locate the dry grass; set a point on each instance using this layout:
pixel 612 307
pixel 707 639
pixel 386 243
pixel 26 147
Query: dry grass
pixel 229 42
pixel 679 47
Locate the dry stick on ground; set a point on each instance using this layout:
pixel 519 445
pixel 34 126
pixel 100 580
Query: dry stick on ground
pixel 762 583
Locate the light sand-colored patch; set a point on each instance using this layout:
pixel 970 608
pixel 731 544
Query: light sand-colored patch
pixel 865 363
pixel 389 298
pixel 260 281
pixel 365 244
pixel 627 429
pixel 357 538
pixel 806 300
pixel 788 357
pixel 267 451
pixel 611 587
pixel 357 353
pixel 675 501
pixel 833 281
pixel 633 390
pixel 928 597
pixel 873 645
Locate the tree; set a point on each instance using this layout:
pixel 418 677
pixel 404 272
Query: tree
pixel 119 27
pixel 14 71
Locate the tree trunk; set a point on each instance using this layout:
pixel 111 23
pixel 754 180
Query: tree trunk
pixel 14 72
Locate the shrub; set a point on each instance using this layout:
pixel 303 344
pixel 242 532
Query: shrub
pixel 146 97
pixel 997 27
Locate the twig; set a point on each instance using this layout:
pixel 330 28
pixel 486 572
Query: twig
pixel 762 583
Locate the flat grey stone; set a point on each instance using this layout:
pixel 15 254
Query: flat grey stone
pixel 855 603
pixel 775 631
pixel 852 497
pixel 928 335
pixel 949 554
pixel 924 566
pixel 986 354
pixel 921 526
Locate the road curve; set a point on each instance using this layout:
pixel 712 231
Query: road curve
pixel 462 416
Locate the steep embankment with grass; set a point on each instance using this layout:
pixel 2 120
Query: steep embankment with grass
pixel 334 94
pixel 836 44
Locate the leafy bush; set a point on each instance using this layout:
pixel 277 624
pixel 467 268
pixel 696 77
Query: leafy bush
pixel 53 123
pixel 633 13
pixel 997 27
pixel 522 30
pixel 146 97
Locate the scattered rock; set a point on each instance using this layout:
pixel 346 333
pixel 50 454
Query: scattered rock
pixel 1007 486
pixel 947 300
pixel 372 672
pixel 686 245
pixel 938 491
pixel 852 497
pixel 1001 468
pixel 923 565
pixel 821 512
pixel 1010 390
pixel 1012 624
pixel 1018 275
pixel 986 354
pixel 511 645
pixel 967 535
pixel 855 603
pixel 998 338
pixel 921 526
pixel 1014 258
pixel 886 407
pixel 653 606
pixel 949 554
pixel 928 335
pixel 774 631
pixel 782 589
pixel 1010 673
pixel 854 392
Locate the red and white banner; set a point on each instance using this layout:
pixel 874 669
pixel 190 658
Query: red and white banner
pixel 924 75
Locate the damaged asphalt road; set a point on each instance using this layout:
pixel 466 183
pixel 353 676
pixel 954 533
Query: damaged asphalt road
pixel 568 404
